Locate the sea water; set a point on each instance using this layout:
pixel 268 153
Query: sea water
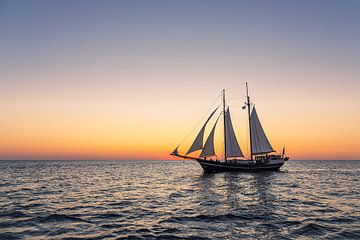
pixel 176 200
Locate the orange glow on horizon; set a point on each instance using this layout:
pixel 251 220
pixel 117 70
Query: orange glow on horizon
pixel 56 135
pixel 154 144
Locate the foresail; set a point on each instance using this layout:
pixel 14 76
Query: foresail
pixel 232 145
pixel 259 141
pixel 198 142
pixel 209 149
pixel 175 152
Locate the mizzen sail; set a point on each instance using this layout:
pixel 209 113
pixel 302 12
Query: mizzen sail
pixel 198 142
pixel 232 145
pixel 259 142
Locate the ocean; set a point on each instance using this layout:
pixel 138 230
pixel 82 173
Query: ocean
pixel 176 200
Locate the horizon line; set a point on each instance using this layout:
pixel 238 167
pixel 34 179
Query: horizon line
pixel 157 160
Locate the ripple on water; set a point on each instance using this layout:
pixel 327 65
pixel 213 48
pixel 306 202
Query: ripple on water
pixel 61 218
pixel 175 200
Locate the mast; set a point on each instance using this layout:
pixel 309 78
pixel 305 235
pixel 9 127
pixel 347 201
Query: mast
pixel 224 125
pixel 248 105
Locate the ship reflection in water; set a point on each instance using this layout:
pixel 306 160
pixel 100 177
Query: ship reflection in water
pixel 242 200
pixel 176 200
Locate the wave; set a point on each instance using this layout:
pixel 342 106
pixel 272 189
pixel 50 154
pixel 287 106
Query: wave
pixel 109 216
pixel 13 214
pixel 150 200
pixel 62 218
pixel 215 218
pixel 313 229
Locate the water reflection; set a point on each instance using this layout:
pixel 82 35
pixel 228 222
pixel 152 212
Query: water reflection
pixel 246 200
pixel 207 194
pixel 264 205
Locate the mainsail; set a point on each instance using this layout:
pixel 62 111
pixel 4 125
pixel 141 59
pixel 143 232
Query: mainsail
pixel 232 145
pixel 209 149
pixel 259 142
pixel 198 142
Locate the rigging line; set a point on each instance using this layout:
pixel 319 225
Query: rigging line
pixel 241 97
pixel 236 85
pixel 193 129
pixel 237 97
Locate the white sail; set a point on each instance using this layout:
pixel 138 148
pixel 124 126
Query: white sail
pixel 209 149
pixel 232 145
pixel 198 142
pixel 259 142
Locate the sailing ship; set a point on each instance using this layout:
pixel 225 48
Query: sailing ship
pixel 262 155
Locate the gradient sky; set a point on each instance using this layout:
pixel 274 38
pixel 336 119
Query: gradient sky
pixel 130 79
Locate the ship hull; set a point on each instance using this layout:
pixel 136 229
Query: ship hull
pixel 217 166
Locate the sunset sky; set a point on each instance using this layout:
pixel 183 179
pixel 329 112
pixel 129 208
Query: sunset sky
pixel 132 79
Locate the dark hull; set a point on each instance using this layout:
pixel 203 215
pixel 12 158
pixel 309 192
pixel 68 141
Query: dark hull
pixel 217 166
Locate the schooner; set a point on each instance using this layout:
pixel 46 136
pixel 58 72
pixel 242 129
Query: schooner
pixel 262 155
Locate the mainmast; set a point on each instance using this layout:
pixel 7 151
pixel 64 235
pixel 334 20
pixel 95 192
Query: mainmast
pixel 224 125
pixel 248 105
